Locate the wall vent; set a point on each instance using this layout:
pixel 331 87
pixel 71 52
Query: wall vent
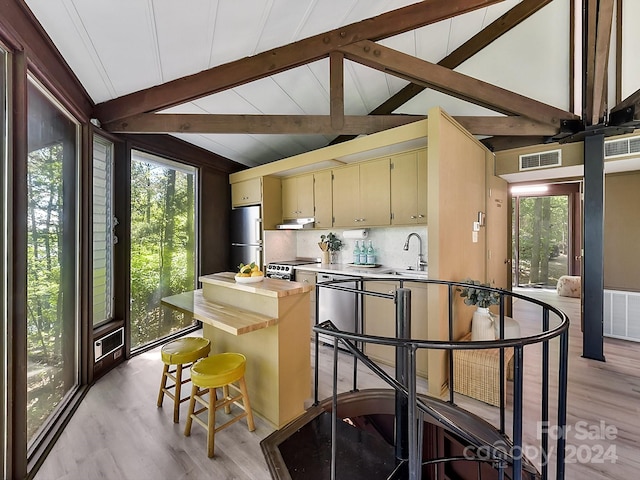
pixel 108 344
pixel 622 147
pixel 622 315
pixel 533 161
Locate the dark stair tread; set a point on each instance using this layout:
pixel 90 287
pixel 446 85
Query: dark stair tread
pixel 360 455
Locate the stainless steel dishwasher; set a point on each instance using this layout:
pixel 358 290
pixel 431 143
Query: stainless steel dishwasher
pixel 336 305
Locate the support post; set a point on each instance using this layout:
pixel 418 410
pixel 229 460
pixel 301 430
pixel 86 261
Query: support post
pixel 403 330
pixel 593 254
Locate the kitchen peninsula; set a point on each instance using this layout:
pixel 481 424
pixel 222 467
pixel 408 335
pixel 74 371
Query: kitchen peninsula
pixel 268 322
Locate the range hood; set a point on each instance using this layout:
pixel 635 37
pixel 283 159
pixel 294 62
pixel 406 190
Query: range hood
pixel 296 224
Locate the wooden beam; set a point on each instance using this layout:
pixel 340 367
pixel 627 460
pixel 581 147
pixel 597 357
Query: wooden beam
pixel 464 52
pixel 277 60
pixel 507 126
pixel 500 143
pixel 453 83
pixel 589 46
pixel 631 100
pixel 258 124
pixel 336 97
pixel 603 41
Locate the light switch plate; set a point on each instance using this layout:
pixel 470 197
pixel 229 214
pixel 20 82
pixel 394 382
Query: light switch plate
pixel 476 226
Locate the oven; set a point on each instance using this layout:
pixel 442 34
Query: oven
pixel 284 269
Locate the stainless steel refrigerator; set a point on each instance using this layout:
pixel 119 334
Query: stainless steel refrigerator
pixel 246 236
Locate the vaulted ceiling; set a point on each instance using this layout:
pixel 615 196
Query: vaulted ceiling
pixel 259 80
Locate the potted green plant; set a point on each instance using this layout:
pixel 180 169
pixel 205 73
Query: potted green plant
pixel 329 244
pixel 482 327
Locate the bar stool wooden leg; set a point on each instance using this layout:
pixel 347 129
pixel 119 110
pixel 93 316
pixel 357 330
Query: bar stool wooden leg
pixel 246 404
pixel 163 384
pixel 192 406
pixel 211 423
pixel 225 395
pixel 177 400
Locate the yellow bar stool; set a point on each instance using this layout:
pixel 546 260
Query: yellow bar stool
pixel 180 353
pixel 221 370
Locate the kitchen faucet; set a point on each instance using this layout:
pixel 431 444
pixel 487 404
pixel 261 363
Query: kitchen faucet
pixel 420 263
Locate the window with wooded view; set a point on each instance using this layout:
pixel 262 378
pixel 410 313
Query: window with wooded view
pixel 163 244
pixel 52 313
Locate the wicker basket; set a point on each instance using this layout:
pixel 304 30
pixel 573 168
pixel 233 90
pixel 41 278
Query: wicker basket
pixel 477 372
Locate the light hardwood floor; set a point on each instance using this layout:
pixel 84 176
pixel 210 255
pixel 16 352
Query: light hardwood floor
pixel 119 433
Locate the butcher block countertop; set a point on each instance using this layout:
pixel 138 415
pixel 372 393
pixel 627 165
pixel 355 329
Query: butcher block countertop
pixel 269 287
pixel 230 319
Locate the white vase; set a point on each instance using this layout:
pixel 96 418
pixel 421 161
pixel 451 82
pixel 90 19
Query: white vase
pixel 482 325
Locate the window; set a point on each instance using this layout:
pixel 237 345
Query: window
pixel 103 223
pixel 52 258
pixel 163 244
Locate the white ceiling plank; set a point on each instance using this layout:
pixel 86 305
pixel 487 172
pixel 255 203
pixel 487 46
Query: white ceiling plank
pixel 421 103
pixel 543 72
pixel 68 32
pixel 432 41
pixel 237 30
pixel 304 88
pixel 498 9
pixel 283 24
pixel 630 57
pixel 465 26
pixel 183 30
pixel 126 46
pixel 324 16
pixel 268 97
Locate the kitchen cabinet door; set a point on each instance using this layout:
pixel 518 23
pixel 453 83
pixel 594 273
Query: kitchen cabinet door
pixel 246 192
pixel 375 193
pixel 409 188
pixel 380 320
pixel 289 197
pixel 322 199
pixel 297 197
pixel 346 196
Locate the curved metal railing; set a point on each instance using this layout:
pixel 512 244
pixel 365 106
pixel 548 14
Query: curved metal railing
pixel 410 408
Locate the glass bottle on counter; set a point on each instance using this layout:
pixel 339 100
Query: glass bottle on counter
pixel 371 255
pixel 363 254
pixel 356 254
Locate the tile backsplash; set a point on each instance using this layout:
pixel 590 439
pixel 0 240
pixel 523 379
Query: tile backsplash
pixel 387 242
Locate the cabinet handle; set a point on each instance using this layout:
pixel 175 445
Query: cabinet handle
pixel 420 216
pixel 356 219
pixel 413 217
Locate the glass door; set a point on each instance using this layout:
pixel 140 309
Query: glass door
pixel 546 236
pixel 163 245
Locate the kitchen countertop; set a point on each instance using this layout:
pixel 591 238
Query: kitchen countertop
pixel 370 272
pixel 269 287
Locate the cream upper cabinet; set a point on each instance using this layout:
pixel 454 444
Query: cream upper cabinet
pixel 297 197
pixel 380 320
pixel 247 192
pixel 409 188
pixel 323 201
pixel 361 194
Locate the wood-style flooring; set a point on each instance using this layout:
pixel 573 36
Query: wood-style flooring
pixel 118 432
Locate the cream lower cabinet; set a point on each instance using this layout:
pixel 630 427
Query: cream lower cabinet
pixel 380 319
pixel 309 278
pixel 409 188
pixel 362 194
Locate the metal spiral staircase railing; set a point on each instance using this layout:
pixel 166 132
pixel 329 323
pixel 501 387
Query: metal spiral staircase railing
pixel 502 452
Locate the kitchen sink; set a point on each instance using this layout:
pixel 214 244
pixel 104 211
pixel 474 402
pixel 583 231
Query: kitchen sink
pixel 407 273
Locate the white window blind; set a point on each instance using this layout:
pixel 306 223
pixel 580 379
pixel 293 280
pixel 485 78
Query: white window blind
pixel 102 230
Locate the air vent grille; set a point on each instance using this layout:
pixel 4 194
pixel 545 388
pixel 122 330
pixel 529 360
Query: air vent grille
pixel 108 344
pixel 621 314
pixel 619 148
pixel 552 158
